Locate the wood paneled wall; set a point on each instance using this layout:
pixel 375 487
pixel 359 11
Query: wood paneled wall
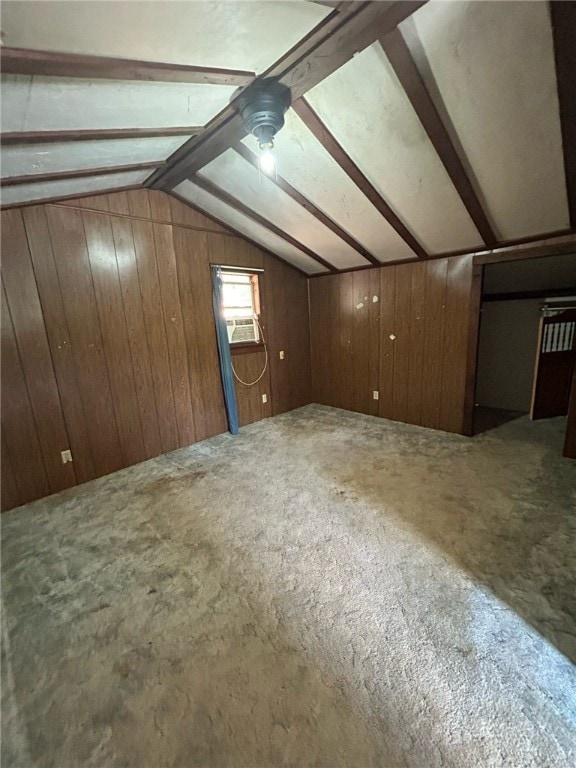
pixel 402 331
pixel 570 439
pixel 108 342
pixel 251 407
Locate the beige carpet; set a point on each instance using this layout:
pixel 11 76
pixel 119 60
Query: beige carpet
pixel 327 589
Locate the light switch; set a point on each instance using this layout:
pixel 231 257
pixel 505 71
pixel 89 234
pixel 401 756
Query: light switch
pixel 264 398
pixel 66 456
pixel 281 354
pixel 376 394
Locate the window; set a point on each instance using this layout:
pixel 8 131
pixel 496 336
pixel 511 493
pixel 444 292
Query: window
pixel 241 300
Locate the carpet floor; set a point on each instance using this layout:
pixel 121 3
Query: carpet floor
pixel 326 589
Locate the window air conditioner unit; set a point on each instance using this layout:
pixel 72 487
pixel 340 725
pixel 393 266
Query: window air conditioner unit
pixel 242 331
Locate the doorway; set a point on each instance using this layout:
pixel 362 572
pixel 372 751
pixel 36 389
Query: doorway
pixel 555 360
pixel 515 374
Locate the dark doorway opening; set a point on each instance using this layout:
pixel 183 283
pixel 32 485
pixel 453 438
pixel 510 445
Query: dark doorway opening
pixel 516 373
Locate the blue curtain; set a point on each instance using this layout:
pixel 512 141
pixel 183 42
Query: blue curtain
pixel 224 352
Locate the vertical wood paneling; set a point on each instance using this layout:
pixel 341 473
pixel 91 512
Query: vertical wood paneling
pixel 416 343
pixel 77 419
pixel 198 320
pixel 169 291
pixel 387 341
pixel 249 399
pixel 292 320
pixel 11 496
pixel 155 332
pixel 322 350
pixel 30 332
pixel 345 340
pixel 475 302
pixel 569 451
pixel 94 202
pixel 74 275
pixel 136 330
pixel 458 295
pixel 159 206
pixel 361 341
pixel 402 315
pixel 278 289
pixel 18 423
pixel 139 203
pixel 288 330
pixel 433 362
pixel 320 338
pixel 240 253
pixel 335 389
pixel 118 203
pixel 112 321
pixel 413 348
pixel 345 288
pixel 114 351
pixel 374 330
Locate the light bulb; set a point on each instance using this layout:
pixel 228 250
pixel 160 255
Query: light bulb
pixel 267 162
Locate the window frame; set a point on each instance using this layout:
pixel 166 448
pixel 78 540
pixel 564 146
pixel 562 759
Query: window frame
pixel 246 347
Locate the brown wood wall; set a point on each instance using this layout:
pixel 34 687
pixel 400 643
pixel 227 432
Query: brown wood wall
pixel 570 439
pixel 402 331
pixel 108 342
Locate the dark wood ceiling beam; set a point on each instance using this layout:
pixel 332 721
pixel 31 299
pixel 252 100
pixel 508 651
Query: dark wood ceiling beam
pixel 62 198
pixel 504 252
pixel 321 132
pixel 80 173
pixel 51 137
pixel 508 250
pixel 352 30
pixel 541 293
pixel 563 16
pixel 22 61
pixel 226 129
pixel 237 205
pixel 222 132
pixel 410 79
pixel 332 43
pixel 309 206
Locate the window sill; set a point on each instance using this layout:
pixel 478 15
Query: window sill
pixel 246 348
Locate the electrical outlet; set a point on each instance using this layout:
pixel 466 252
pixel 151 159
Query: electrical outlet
pixel 66 456
pixel 264 398
pixel 376 395
pixel 281 354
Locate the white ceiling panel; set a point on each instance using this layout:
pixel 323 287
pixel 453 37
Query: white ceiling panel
pixel 33 103
pixel 494 67
pixel 22 193
pixel 21 160
pixel 214 207
pixel 367 111
pixel 235 35
pixel 238 177
pixel 307 166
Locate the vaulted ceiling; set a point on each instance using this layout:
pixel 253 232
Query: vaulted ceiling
pixel 416 129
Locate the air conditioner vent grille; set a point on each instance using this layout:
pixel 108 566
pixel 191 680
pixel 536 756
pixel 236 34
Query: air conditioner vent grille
pixel 242 331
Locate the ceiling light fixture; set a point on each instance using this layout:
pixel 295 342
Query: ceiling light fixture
pixel 262 107
pixel 267 162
